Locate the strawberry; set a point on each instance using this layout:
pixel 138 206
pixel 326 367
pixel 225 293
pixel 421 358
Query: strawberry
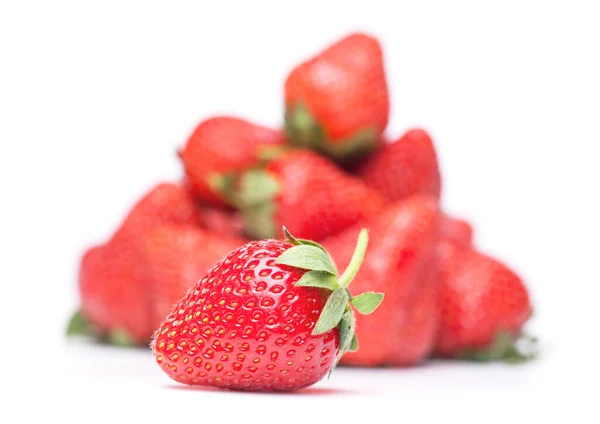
pixel 456 231
pixel 271 316
pixel 484 305
pixel 337 102
pixel 164 203
pixel 221 221
pixel 177 256
pixel 219 148
pixel 113 288
pixel 113 280
pixel 305 192
pixel 401 263
pixel 403 168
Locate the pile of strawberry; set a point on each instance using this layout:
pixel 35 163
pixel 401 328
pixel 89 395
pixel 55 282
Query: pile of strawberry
pixel 329 173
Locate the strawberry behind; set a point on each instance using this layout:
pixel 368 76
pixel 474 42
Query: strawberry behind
pixel 219 148
pixel 403 168
pixel 401 263
pixel 484 305
pixel 337 102
pixel 305 192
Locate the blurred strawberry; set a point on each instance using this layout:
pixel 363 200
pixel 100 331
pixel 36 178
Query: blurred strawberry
pixel 113 291
pixel 403 168
pixel 337 102
pixel 305 192
pixel 221 222
pixel 484 305
pixel 401 263
pixel 113 279
pixel 164 203
pixel 456 231
pixel 219 148
pixel 177 256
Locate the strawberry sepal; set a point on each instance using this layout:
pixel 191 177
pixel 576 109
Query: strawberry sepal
pixel 255 198
pixel 303 130
pixel 506 347
pixel 79 325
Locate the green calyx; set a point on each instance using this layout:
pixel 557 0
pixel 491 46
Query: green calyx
pixel 222 185
pixel 255 198
pixel 506 347
pixel 79 325
pixel 303 130
pixel 322 274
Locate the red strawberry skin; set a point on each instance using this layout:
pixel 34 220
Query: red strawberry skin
pixel 406 167
pixel 113 289
pixel 457 231
pixel 221 221
pixel 344 89
pixel 177 257
pixel 315 199
pixel 114 283
pixel 400 262
pixel 245 325
pixel 221 146
pixel 480 297
pixel 164 203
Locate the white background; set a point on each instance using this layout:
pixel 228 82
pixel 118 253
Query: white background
pixel 95 99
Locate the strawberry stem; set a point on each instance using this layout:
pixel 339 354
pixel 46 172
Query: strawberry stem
pixel 357 258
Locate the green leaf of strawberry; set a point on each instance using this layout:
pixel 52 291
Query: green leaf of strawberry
pixel 296 241
pixel 121 338
pixel 319 279
pixel 79 325
pixel 307 257
pixel 366 303
pixel 354 344
pixel 332 312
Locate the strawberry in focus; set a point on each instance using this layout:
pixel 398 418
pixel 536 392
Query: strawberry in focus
pixel 402 264
pixel 305 192
pixel 484 305
pixel 403 168
pixel 219 148
pixel 337 102
pixel 271 316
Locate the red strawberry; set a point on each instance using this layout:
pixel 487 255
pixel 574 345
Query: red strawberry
pixel 270 316
pixel 219 148
pixel 456 231
pixel 220 221
pixel 164 203
pixel 484 306
pixel 337 102
pixel 113 289
pixel 401 263
pixel 177 256
pixel 403 168
pixel 305 192
pixel 113 279
pixel 454 234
